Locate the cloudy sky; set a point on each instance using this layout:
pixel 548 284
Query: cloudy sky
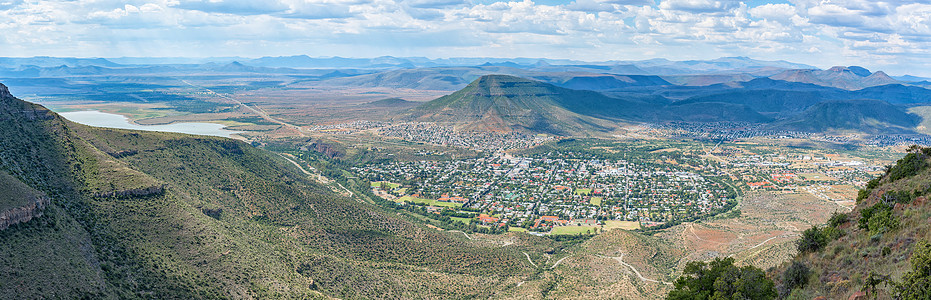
pixel 890 35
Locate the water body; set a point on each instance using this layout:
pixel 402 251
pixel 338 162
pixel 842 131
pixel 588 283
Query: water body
pixel 102 119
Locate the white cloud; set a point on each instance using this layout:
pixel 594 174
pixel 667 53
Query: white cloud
pixel 808 31
pixel 778 12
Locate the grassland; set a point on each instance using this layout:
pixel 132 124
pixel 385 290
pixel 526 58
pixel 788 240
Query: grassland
pixel 431 202
pixel 573 230
pixel 596 201
pixel 626 225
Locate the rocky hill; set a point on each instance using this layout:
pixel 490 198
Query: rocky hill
pixel 879 250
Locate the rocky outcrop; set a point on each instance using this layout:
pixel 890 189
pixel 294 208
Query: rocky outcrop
pixel 326 149
pixel 23 213
pixel 140 192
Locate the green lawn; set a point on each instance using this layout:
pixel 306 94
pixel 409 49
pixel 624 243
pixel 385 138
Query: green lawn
pixel 428 202
pixel 386 185
pixel 572 230
pixel 583 191
pixel 596 201
pixel 517 229
pixel 463 220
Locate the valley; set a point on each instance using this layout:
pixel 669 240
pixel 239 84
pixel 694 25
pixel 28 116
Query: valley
pixel 493 186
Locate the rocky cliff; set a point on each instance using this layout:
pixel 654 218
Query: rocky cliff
pixel 23 213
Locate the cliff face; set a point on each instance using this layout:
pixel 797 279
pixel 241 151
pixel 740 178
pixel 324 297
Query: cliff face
pixel 24 213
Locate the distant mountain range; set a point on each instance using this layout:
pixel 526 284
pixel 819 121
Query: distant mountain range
pixel 502 103
pixel 542 95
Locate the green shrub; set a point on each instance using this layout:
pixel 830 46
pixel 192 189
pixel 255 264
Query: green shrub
pixel 898 197
pixel 812 240
pixel 832 233
pixel 795 276
pixel 720 279
pixel 916 284
pixel 882 221
pixel 878 218
pixel 837 219
pixel 863 194
pixel 908 166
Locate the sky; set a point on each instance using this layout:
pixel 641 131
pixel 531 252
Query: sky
pixel 889 35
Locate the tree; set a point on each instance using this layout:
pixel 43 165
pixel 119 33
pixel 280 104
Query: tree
pixel 795 276
pixel 720 279
pixel 812 240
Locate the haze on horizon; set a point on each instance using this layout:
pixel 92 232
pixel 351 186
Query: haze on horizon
pixel 881 35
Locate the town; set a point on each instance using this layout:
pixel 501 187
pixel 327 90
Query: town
pixel 544 191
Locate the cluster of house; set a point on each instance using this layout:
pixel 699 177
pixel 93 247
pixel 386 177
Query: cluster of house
pixel 523 189
pixel 431 133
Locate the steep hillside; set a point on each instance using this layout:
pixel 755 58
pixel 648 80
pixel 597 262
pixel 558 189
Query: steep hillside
pixel 504 103
pixel 880 249
pixel 870 116
pixel 159 215
pixel 776 103
pixel 896 94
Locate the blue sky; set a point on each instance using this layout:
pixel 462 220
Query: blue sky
pixel 889 35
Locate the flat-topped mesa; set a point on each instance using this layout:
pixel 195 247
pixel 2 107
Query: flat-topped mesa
pixel 507 86
pixel 855 70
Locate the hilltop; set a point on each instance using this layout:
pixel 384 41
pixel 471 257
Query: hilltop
pixel 505 103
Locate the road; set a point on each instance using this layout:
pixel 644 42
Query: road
pixel 255 110
pixel 531 261
pixel 559 261
pixel 348 192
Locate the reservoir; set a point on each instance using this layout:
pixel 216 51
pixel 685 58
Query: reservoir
pixel 102 119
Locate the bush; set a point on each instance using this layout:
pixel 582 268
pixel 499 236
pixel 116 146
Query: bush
pixel 832 233
pixel 916 284
pixel 882 221
pixel 886 251
pixel 720 279
pixel 837 219
pixel 812 240
pixel 878 218
pixel 863 194
pixel 795 276
pixel 908 166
